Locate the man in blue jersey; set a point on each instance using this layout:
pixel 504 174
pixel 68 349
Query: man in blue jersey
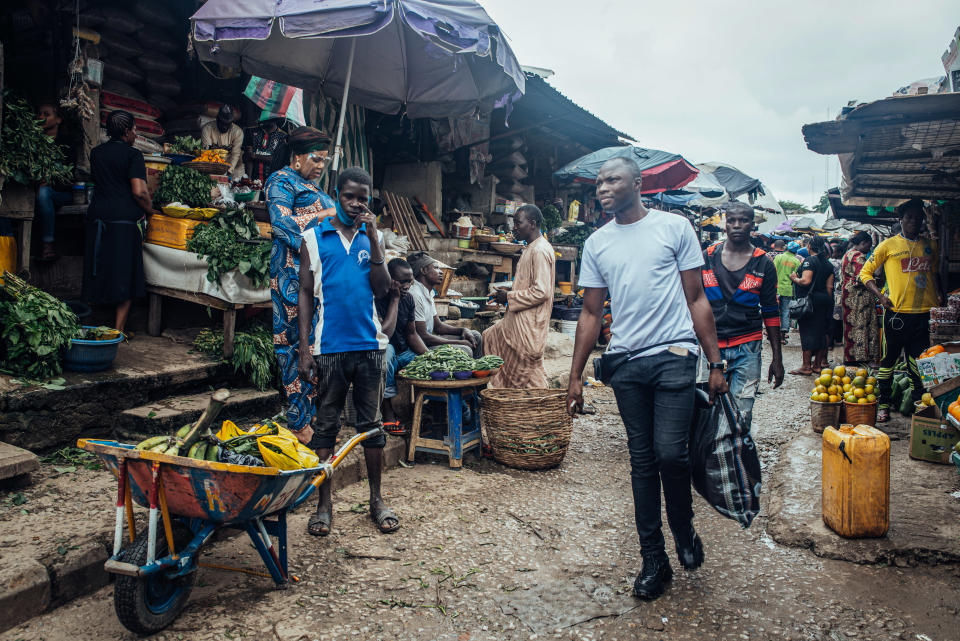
pixel 342 272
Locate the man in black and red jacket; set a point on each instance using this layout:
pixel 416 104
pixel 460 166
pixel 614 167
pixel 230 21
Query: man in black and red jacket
pixel 741 284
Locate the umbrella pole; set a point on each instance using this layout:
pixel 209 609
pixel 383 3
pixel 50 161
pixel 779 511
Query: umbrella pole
pixel 338 149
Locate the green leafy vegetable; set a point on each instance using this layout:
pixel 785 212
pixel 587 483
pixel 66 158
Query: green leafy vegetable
pixel 28 155
pixel 184 185
pixel 35 328
pixel 232 241
pixel 185 145
pixel 447 358
pixel 253 353
pixel 551 218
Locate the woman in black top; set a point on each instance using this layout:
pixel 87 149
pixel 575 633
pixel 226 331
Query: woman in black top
pixel 113 267
pixel 814 279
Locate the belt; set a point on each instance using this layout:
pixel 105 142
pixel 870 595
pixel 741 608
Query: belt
pixel 101 224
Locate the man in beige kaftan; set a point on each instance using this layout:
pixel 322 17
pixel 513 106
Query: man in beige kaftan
pixel 520 338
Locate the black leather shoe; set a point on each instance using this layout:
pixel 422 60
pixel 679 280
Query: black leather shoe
pixel 690 550
pixel 653 577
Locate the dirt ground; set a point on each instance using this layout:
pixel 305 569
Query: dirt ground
pixel 492 553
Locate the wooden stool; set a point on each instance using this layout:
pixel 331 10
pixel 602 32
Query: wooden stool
pixel 460 437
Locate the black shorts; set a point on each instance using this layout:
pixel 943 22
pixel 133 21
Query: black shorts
pixel 336 372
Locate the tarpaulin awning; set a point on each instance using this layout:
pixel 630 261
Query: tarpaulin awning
pixel 733 180
pixel 661 170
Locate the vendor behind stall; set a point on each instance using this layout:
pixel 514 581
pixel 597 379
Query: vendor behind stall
pixel 50 198
pixel 262 144
pixel 113 265
pixel 224 134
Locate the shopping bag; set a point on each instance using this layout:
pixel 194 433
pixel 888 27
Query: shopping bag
pixel 285 452
pixel 724 464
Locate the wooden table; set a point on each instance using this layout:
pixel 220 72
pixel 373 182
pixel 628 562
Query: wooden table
pixel 229 310
pixel 457 440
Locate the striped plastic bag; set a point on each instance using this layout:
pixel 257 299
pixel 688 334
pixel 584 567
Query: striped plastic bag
pixel 724 463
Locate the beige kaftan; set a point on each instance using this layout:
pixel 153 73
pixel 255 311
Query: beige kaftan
pixel 520 338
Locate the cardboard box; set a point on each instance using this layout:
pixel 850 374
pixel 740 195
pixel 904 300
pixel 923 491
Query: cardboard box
pixel 945 393
pixel 932 439
pixel 938 369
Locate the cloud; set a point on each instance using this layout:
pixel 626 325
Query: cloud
pixel 730 82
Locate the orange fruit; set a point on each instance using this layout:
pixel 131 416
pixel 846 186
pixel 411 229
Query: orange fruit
pixel 840 370
pixel 858 392
pixel 834 398
pixel 859 382
pixel 862 401
pixel 832 390
pixel 825 379
pixel 847 387
pixel 823 398
pixel 871 380
pixel 868 388
pixel 871 398
pixel 850 398
pixel 821 389
pixel 846 379
pixel 814 395
pixel 863 373
pixel 826 371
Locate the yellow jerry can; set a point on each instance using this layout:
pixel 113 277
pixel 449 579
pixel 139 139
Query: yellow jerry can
pixel 856 481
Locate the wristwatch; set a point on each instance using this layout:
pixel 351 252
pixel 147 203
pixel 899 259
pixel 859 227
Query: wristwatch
pixel 722 365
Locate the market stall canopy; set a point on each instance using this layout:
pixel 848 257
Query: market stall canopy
pixel 762 199
pixel 433 59
pixel 703 191
pixel 894 149
pixel 733 180
pixel 661 170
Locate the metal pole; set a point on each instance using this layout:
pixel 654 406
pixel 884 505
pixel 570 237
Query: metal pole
pixel 338 149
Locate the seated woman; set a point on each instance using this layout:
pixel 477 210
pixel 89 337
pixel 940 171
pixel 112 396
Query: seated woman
pixel 50 198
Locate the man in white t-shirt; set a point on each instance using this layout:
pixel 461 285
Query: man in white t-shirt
pixel 649 261
pixel 433 331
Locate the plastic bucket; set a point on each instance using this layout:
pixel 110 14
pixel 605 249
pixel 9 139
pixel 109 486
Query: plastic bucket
pixel 566 287
pixel 568 327
pixel 463 231
pixel 90 356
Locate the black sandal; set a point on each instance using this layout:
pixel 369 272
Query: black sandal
pixel 383 515
pixel 319 524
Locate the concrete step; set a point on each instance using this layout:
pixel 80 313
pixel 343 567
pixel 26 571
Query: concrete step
pixel 167 415
pixel 16 463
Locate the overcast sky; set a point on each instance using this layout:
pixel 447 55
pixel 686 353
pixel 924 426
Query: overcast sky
pixel 731 81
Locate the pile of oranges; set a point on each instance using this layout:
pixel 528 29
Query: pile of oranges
pixel 835 385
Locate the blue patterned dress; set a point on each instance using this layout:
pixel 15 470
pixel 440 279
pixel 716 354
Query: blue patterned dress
pixel 295 206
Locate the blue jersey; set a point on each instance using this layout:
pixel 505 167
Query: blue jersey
pixel 347 319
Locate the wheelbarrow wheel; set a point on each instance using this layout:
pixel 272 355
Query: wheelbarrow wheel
pixel 146 605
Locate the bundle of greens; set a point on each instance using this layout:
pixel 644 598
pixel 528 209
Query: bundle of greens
pixel 187 145
pixel 34 329
pixel 551 218
pixel 252 353
pixel 29 155
pixel 179 184
pixel 575 236
pixel 447 358
pixel 232 241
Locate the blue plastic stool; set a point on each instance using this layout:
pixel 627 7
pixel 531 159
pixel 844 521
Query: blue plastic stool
pixel 460 437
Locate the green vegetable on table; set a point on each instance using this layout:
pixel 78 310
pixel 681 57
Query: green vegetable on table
pixel 179 184
pixel 187 145
pixel 231 241
pixel 447 358
pixel 29 155
pixel 35 328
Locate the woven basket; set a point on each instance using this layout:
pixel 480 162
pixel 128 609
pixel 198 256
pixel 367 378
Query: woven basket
pixel 860 413
pixel 212 168
pixel 823 415
pixel 526 429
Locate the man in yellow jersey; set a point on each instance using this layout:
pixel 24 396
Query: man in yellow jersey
pixel 909 263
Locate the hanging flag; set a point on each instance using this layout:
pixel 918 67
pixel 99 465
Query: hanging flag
pixel 276 99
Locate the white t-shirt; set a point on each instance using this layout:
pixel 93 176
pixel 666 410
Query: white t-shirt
pixel 425 310
pixel 640 266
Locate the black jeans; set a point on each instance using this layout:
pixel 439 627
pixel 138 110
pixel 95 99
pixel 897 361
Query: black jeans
pixel 655 395
pixel 365 370
pixel 902 333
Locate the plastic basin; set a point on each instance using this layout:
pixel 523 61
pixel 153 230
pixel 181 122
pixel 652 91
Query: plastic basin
pixel 90 356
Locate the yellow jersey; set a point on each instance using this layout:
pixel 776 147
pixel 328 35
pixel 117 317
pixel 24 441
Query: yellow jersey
pixel 909 267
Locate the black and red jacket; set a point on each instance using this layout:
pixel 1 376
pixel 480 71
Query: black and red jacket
pixel 741 318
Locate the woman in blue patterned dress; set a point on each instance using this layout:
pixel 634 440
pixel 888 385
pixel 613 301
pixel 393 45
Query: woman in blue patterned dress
pixel 296 204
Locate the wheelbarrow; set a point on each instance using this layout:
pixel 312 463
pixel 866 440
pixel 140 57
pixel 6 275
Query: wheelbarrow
pixel 189 500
